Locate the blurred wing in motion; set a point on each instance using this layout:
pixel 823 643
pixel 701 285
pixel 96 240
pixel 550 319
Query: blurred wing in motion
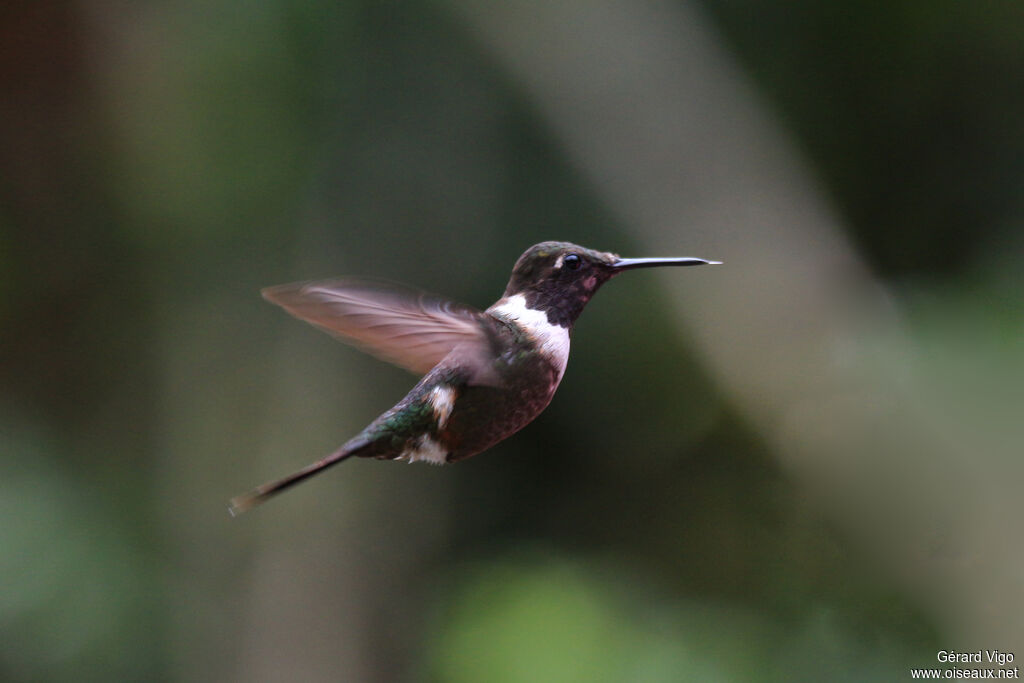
pixel 404 326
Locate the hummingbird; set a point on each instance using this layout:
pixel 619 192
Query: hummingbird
pixel 486 374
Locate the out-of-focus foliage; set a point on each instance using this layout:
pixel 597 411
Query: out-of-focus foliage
pixel 910 112
pixel 79 597
pixel 163 161
pixel 538 619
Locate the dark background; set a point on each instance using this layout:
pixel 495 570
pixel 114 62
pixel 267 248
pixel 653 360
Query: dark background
pixel 705 499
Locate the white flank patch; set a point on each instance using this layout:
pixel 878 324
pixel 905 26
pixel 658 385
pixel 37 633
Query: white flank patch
pixel 553 340
pixel 442 400
pixel 426 450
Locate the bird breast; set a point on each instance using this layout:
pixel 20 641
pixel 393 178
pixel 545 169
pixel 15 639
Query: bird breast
pixel 551 341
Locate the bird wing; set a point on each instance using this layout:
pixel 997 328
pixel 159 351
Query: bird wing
pixel 404 326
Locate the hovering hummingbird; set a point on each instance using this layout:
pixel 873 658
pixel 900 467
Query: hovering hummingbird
pixel 487 374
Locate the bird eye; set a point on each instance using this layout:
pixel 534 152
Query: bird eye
pixel 571 261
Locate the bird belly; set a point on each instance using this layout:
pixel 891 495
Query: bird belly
pixel 446 418
pixel 484 415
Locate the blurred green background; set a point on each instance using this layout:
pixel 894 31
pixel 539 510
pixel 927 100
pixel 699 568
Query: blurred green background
pixel 802 465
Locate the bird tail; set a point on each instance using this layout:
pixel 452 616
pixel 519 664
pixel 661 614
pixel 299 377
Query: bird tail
pixel 262 494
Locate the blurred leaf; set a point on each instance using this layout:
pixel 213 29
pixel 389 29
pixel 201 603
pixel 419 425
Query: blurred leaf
pixel 540 618
pixel 511 623
pixel 73 597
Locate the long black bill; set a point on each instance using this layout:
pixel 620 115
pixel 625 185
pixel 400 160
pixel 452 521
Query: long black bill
pixel 629 263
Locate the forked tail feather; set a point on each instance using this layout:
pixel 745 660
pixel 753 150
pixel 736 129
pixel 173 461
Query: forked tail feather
pixel 262 494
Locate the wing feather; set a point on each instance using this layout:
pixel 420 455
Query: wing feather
pixel 408 327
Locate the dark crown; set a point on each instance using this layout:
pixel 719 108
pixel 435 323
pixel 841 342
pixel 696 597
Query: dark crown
pixel 559 278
